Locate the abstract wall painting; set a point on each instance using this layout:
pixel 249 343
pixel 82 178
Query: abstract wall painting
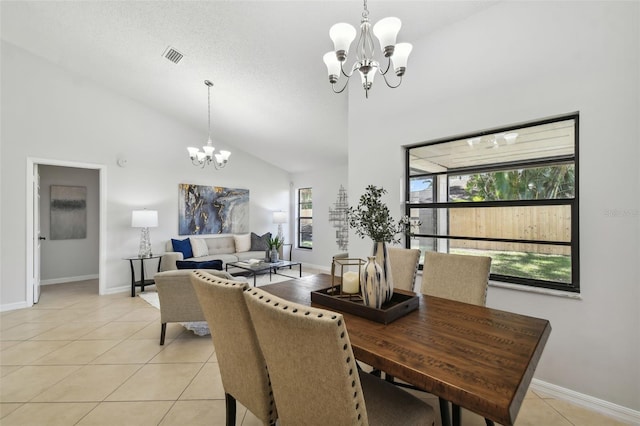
pixel 68 212
pixel 212 210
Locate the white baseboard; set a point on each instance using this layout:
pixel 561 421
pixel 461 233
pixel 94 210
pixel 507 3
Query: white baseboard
pixel 14 306
pixel 607 408
pixel 69 279
pixel 116 290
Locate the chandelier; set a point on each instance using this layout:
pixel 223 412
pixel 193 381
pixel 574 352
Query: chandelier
pixel 200 158
pixel 386 30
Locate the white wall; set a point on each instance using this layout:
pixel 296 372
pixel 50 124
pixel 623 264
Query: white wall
pixel 519 61
pixel 49 113
pixel 69 259
pixel 325 185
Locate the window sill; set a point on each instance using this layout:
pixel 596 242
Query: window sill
pixel 538 290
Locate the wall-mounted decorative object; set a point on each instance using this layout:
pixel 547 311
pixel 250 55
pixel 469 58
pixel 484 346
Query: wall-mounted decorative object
pixel 338 217
pixel 212 210
pixel 68 212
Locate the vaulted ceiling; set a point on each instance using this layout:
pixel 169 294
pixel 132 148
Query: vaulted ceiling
pixel 271 95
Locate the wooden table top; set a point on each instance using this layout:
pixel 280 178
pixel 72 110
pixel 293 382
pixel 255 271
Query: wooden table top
pixel 479 358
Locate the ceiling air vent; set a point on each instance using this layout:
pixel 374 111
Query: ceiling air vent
pixel 173 55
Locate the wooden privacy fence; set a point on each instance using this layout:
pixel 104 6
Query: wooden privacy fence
pixel 543 223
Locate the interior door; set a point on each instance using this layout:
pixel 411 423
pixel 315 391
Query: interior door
pixel 36 234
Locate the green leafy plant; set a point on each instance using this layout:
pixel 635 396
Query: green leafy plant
pixel 275 243
pixel 371 218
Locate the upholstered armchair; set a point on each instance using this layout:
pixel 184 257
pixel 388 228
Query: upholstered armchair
pixel 178 301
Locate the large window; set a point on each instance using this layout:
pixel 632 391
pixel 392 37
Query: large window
pixel 509 193
pixel 305 218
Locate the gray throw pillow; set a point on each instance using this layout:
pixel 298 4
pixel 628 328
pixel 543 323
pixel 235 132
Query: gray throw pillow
pixel 260 243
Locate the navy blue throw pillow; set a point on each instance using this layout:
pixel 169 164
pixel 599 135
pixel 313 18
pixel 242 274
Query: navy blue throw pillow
pixel 209 264
pixel 183 246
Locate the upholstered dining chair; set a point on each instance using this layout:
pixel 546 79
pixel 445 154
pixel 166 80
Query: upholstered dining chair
pixel 242 367
pixel 458 277
pixel 404 267
pixel 313 372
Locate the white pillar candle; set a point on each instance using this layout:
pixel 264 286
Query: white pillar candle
pixel 350 282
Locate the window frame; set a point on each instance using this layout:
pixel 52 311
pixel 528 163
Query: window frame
pixel 300 218
pixel 574 243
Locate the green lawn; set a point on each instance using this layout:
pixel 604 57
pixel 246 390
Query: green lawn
pixel 548 267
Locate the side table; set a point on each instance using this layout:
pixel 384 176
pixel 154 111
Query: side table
pixel 143 282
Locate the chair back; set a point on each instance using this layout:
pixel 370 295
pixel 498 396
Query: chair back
pixel 243 369
pixel 311 364
pixel 404 267
pixel 458 277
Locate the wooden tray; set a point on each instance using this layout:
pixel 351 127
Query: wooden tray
pixel 400 305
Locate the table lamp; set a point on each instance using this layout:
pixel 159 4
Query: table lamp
pixel 280 217
pixel 144 219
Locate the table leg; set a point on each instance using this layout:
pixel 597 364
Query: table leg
pixel 133 279
pixel 300 266
pixel 456 418
pixel 254 279
pixel 444 412
pixel 142 274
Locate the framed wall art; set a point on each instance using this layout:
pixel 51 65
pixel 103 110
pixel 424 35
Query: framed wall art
pixel 68 212
pixel 212 210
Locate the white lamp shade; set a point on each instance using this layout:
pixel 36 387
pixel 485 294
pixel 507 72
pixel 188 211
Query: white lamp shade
pixel 144 218
pixel 342 35
pixel 386 30
pixel 225 155
pixel 279 217
pixel 401 55
pixel 332 63
pixel 208 149
pixel 193 152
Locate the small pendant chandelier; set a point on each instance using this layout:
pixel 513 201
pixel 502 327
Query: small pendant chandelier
pixel 386 30
pixel 200 158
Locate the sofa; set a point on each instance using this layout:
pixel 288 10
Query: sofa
pixel 225 248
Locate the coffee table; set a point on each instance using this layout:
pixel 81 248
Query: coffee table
pixel 256 268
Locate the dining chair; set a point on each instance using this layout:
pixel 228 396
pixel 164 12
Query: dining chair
pixel 313 371
pixel 458 277
pixel 404 267
pixel 243 369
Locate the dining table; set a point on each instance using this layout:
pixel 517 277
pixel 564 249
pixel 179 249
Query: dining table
pixel 479 358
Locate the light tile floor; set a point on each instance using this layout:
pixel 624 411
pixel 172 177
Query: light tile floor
pixel 77 358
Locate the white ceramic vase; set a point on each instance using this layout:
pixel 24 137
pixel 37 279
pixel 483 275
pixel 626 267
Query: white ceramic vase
pixel 381 253
pixel 370 287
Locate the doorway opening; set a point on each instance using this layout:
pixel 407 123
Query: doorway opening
pixel 36 196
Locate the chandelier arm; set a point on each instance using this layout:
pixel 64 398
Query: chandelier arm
pixel 333 86
pixel 389 85
pixel 388 66
pixel 355 66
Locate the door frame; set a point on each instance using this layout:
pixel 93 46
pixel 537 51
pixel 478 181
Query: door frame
pixel 102 211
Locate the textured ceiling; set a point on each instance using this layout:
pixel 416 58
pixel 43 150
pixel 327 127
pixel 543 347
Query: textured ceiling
pixel 270 96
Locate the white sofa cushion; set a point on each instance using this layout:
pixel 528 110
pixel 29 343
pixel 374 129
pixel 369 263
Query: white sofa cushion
pixel 243 242
pixel 199 247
